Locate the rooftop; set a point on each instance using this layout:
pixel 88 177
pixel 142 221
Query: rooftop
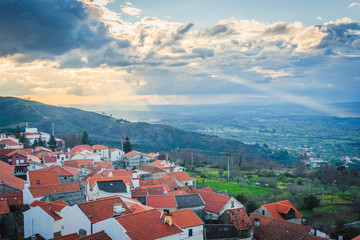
pixel 62 171
pixel 276 209
pixel 150 169
pixel 37 178
pixel 70 198
pixel 181 176
pixel 4 207
pixel 72 236
pixel 161 201
pixel 214 202
pixel 189 201
pixel 40 191
pixel 169 181
pixel 13 198
pixel 239 218
pixel 186 218
pixel 96 236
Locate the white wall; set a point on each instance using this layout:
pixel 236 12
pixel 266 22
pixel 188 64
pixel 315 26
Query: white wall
pixel 228 205
pixel 74 220
pixel 38 221
pixel 28 197
pixel 112 228
pixel 198 233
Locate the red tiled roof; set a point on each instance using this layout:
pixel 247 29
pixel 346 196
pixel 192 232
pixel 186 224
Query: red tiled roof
pixel 62 171
pixel 159 164
pixel 38 149
pixel 150 169
pixel 152 154
pixel 37 178
pixel 90 175
pixel 50 207
pixel 181 176
pixel 163 180
pixel 99 147
pixel 49 159
pixel 239 218
pixel 135 207
pixel 136 193
pixel 78 163
pixel 10 142
pixel 186 218
pixel 312 237
pixel 115 149
pixel 13 198
pixel 356 238
pixel 102 208
pixel 161 201
pixel 171 167
pixel 71 236
pixel 6 177
pixel 281 207
pixel 39 191
pixel 146 225
pixel 126 180
pixel 214 202
pixel 133 153
pixel 165 186
pixel 96 236
pixel 272 228
pixel 156 190
pixel 178 192
pixel 104 165
pixel 80 148
pixel 17 151
pixel 117 173
pixel 4 207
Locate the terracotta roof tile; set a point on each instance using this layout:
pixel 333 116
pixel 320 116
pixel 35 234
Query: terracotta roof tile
pixel 133 153
pixel 156 191
pixel 136 193
pixel 136 207
pixel 13 198
pixel 103 165
pixel 186 218
pixel 37 178
pixel 115 149
pixel 272 228
pixel 165 186
pixel 178 192
pixel 96 236
pixel 150 169
pixel 80 148
pixel 356 238
pixel 281 207
pixel 71 236
pixel 39 149
pixel 10 142
pixel 161 201
pixel 239 218
pixel 6 176
pixel 90 175
pixel 78 163
pixel 62 171
pixel 99 147
pixel 214 202
pixel 102 208
pixel 146 225
pixel 50 208
pixel 181 176
pixel 40 191
pixel 312 237
pixel 152 154
pixel 163 180
pixel 4 207
pixel 117 173
pixel 159 164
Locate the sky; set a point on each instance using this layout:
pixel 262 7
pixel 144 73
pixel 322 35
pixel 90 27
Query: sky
pixel 152 52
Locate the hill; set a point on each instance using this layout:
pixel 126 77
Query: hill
pixel 108 130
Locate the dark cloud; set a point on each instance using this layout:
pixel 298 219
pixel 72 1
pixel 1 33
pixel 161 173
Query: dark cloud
pixel 185 28
pixel 52 27
pixel 279 28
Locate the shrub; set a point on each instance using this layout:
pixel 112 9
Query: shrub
pixel 310 202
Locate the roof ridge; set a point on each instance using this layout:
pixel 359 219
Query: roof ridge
pixel 154 209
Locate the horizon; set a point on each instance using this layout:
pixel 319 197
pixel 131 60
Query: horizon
pixel 141 54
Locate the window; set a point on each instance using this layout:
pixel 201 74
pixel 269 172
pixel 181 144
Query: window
pixel 263 212
pixel 21 161
pixel 37 181
pixel 186 183
pixel 232 204
pixel 190 232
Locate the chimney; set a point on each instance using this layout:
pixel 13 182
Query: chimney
pixel 256 222
pixel 128 187
pixel 134 174
pixel 168 217
pixel 118 209
pixel 167 157
pixel 62 164
pixel 82 233
pixel 340 237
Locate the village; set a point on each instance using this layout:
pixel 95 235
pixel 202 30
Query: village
pixel 96 192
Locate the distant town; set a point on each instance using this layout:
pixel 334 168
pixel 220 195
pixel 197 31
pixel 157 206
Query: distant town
pixel 91 191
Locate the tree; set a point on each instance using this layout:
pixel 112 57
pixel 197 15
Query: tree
pixel 52 143
pixel 85 138
pixel 17 133
pixel 310 202
pixel 24 141
pixel 71 140
pixel 127 147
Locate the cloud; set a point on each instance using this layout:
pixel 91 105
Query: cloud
pixel 354 4
pixel 130 10
pixel 270 73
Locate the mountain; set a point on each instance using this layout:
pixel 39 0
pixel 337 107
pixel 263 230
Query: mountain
pixel 108 130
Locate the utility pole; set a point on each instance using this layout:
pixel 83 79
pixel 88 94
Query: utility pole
pixel 322 189
pixel 53 129
pixel 229 167
pixel 192 160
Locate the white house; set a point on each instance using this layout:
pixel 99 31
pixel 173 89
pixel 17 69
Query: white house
pixel 43 214
pixel 116 154
pixel 190 224
pixel 108 186
pixel 183 179
pixel 135 159
pixel 102 151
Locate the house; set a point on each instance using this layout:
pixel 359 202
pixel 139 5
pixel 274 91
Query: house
pixel 221 231
pixel 43 214
pixel 65 174
pixel 102 151
pixel 216 204
pixel 190 224
pixel 240 219
pixel 183 179
pixel 283 210
pixel 150 172
pixel 10 143
pixel 121 172
pixel 135 159
pixel 18 158
pixel 142 225
pixel 32 193
pixel 72 236
pixel 164 180
pixel 165 165
pixel 9 227
pixel 108 186
pixel 13 198
pixel 86 215
pixel 37 178
pixel 8 182
pixel 116 154
pixel 79 163
pixel 32 133
pixel 43 149
pixel 193 202
pixel 70 198
pixel 162 202
pixel 83 149
pixel 265 227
